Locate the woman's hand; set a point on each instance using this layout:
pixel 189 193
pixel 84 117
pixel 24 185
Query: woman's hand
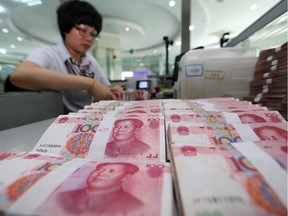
pixel 101 92
pixel 116 88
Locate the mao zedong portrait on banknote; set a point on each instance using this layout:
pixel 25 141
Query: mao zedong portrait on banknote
pixel 251 118
pixel 188 150
pixel 271 133
pixel 103 193
pixel 125 141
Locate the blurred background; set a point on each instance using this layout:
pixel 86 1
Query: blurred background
pixel 141 38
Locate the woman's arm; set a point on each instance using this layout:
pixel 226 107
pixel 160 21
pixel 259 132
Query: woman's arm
pixel 30 75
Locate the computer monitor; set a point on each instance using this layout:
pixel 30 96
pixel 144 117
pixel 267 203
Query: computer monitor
pixel 143 85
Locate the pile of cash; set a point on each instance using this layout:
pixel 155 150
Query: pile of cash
pixel 107 159
pixel 269 86
pixel 215 156
pixel 230 162
pixel 130 95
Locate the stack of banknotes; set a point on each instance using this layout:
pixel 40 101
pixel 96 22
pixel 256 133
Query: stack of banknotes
pixel 221 156
pixel 269 85
pixel 130 95
pixel 228 159
pixel 107 159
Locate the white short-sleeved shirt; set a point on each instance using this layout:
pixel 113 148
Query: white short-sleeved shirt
pixel 54 57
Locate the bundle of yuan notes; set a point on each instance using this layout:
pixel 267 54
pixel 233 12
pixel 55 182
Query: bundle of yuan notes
pixel 244 180
pixel 97 162
pixel 269 84
pixel 228 163
pixel 45 185
pixel 131 95
pixel 122 157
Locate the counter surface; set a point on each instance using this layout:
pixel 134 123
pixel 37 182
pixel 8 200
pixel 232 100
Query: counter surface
pixel 23 138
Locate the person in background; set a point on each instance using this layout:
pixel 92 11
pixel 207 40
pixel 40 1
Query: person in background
pixel 67 66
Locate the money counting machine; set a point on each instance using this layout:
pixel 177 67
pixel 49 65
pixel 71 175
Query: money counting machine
pixel 206 73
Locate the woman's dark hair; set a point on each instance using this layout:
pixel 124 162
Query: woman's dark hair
pixel 74 12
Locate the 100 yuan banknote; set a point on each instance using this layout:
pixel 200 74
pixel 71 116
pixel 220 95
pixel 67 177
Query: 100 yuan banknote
pixel 214 134
pixel 187 105
pixel 277 150
pixel 250 108
pixel 7 155
pixel 68 136
pixel 19 174
pixel 222 181
pixel 81 187
pixel 136 136
pixel 261 117
pixel 273 131
pixel 204 117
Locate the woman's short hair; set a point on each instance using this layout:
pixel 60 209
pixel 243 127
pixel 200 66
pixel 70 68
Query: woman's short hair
pixel 72 13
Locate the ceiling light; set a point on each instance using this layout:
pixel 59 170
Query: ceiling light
pixel 30 2
pixel 171 3
pixel 19 38
pixel 253 7
pixel 12 46
pixel 34 2
pixel 127 29
pixel 2 51
pixel 1 9
pixel 5 30
pixel 191 28
pixel 178 43
pixel 126 74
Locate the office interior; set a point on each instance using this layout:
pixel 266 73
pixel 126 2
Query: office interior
pixel 140 41
pixel 150 45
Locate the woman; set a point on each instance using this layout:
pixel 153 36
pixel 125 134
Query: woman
pixel 67 67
